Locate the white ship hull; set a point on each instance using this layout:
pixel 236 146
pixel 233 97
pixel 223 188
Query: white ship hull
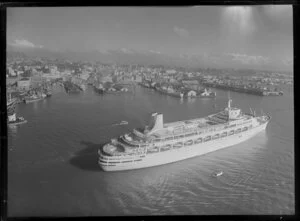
pixel 170 156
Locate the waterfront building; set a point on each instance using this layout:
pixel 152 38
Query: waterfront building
pixel 138 79
pixel 24 84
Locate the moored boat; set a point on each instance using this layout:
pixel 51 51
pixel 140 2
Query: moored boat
pixel 207 93
pixel 32 98
pixel 13 120
pixel 123 122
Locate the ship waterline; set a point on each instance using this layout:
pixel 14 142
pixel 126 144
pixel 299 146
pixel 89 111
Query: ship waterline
pixel 138 151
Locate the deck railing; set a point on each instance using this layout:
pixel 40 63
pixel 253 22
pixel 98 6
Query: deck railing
pixel 138 133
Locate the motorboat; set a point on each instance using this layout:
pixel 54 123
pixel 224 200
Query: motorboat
pixel 218 173
pixel 123 122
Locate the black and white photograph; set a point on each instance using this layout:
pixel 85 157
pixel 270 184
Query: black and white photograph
pixel 150 111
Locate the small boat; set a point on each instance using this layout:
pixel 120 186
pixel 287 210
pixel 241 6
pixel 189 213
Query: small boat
pixel 48 93
pixel 207 93
pixel 82 87
pixel 123 122
pixel 32 98
pixel 218 173
pixel 99 90
pixel 19 120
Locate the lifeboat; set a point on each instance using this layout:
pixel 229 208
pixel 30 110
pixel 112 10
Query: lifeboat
pixel 188 143
pixel 152 150
pixel 224 134
pixel 178 145
pixel 166 147
pixel 215 136
pixel 238 130
pixel 208 138
pixel 199 140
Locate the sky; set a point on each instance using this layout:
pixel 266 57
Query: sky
pixel 253 35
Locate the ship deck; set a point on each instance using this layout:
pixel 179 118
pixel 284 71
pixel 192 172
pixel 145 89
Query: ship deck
pixel 185 127
pixel 179 127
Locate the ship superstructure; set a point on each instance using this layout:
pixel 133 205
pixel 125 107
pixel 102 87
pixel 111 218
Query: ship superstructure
pixel 161 143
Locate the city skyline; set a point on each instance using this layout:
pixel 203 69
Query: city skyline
pixel 223 36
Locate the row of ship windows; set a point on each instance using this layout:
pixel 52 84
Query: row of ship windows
pixel 175 137
pixel 115 162
pixel 119 157
pixel 167 139
pixel 246 122
pixel 199 140
pixel 234 125
pixel 171 138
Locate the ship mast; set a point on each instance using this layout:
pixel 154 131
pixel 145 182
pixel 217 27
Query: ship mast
pixel 229 104
pixel 229 100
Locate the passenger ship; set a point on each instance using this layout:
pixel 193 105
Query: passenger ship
pixel 161 143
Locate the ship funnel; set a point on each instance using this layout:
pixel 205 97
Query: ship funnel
pixel 156 122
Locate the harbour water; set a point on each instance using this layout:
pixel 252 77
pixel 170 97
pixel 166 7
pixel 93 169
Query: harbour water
pixel 53 170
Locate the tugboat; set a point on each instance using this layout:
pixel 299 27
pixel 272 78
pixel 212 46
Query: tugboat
pixel 13 120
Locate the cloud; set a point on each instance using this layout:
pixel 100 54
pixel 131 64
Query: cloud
pixel 103 51
pixel 248 59
pixel 126 51
pixel 288 61
pixel 239 18
pixel 204 57
pixel 155 52
pixel 118 25
pixel 181 32
pixel 25 43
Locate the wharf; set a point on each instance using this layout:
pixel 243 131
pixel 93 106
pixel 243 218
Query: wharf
pixel 254 91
